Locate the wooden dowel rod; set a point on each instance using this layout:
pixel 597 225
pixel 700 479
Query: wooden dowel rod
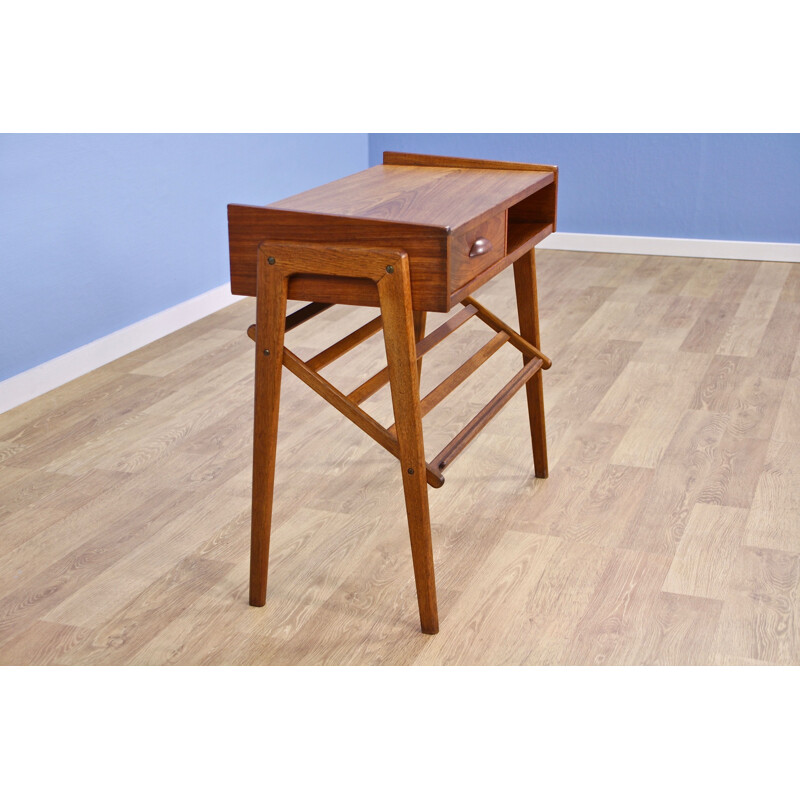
pixel 445 329
pixel 495 323
pixel 363 420
pixel 371 385
pixel 435 396
pixel 296 317
pixel 305 313
pixel 477 423
pixel 345 344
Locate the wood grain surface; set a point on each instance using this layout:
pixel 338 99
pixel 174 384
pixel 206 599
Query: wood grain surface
pixel 448 197
pixel 668 531
pixel 434 212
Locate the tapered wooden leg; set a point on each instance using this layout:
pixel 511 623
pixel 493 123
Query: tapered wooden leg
pixel 270 326
pixel 399 334
pixel 528 310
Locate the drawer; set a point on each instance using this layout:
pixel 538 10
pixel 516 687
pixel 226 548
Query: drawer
pixel 463 267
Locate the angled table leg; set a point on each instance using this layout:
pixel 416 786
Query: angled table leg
pixel 270 327
pixel 401 327
pixel 528 310
pixel 389 270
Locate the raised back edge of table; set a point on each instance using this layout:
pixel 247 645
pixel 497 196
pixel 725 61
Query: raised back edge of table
pixel 391 157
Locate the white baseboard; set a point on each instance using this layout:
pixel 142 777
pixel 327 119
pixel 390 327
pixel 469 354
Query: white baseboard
pixel 44 377
pixel 687 248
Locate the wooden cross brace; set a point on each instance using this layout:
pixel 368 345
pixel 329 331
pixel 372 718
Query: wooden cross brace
pixel 405 345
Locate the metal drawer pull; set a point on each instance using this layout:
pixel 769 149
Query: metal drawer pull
pixel 480 247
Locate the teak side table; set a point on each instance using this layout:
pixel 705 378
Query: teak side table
pixel 416 234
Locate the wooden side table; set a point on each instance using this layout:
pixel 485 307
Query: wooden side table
pixel 416 234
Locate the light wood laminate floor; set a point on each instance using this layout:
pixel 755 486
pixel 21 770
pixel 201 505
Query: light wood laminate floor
pixel 667 533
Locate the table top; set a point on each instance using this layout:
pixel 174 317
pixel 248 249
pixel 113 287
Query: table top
pixel 447 197
pixel 460 222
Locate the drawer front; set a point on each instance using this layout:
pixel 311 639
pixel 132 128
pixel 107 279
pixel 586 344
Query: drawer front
pixel 474 238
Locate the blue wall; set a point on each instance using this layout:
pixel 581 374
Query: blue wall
pixel 744 187
pixel 98 231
